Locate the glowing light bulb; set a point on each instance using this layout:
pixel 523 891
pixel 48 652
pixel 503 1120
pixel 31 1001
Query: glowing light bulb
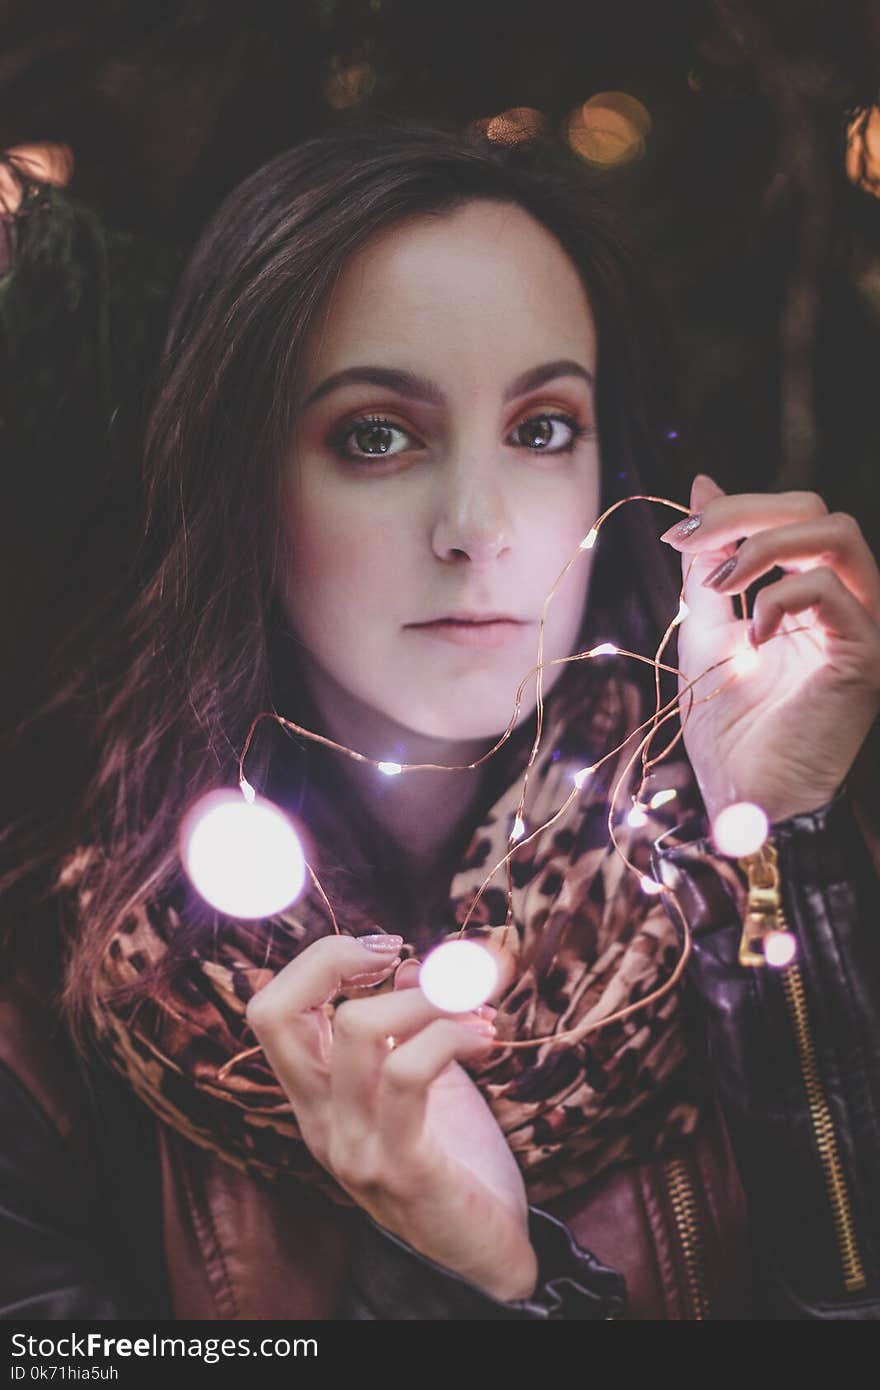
pixel 458 976
pixel 518 830
pixel 745 659
pixel 243 856
pixel 390 769
pixel 605 649
pixel 637 817
pixel 780 948
pixel 580 777
pixel 589 539
pixel 661 798
pixel 740 829
pixel 650 885
pixel 682 613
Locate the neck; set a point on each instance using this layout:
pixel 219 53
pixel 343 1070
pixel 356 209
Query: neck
pixel 424 812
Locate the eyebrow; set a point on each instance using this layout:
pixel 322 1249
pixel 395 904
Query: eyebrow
pixel 419 388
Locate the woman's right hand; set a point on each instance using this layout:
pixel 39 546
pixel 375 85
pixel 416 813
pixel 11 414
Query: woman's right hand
pixel 44 163
pixel 403 1130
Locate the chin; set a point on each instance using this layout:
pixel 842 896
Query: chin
pixel 469 722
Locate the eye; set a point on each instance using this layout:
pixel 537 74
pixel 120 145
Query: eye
pixel 373 437
pixel 543 431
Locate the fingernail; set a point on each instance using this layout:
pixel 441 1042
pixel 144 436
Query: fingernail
pixel 382 942
pixel 481 1026
pixel 682 529
pixel 720 573
pixel 366 976
pixel 486 1011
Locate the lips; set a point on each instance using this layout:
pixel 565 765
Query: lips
pixel 469 619
pixel 496 632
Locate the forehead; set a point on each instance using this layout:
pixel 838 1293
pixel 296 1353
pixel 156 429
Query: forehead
pixel 486 277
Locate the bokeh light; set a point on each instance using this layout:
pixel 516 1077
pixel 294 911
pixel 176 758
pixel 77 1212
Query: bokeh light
pixel 243 857
pixel 740 829
pixel 348 82
pixel 610 129
pixel 515 126
pixel 458 976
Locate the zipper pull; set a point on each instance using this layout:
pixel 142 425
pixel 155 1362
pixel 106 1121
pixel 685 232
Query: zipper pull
pixel 765 925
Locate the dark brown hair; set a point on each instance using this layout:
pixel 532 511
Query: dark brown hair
pixel 164 675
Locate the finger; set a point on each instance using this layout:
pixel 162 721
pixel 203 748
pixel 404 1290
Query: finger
pixel 361 1028
pixel 407 974
pixel 289 1015
pixel 728 519
pixel 835 538
pixel 705 606
pixel 841 615
pixel 405 1078
pixel 46 163
pixel 703 490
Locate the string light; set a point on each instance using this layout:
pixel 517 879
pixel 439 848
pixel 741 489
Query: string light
pixel 636 817
pixel 740 829
pixel 463 990
pixel 458 976
pixel 682 613
pixel 242 854
pixel 661 798
pixel 744 659
pixel 650 885
pixel 780 949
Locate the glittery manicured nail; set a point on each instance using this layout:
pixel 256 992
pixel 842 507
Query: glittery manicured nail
pixel 720 573
pixel 373 976
pixel 682 529
pixel 381 943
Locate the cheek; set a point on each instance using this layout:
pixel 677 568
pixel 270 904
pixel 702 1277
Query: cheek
pixel 338 558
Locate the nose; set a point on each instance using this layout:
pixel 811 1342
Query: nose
pixel 472 519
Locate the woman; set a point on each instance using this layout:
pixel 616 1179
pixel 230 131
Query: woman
pixel 392 359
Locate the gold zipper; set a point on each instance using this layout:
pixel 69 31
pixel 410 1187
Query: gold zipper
pixel 684 1207
pixel 764 917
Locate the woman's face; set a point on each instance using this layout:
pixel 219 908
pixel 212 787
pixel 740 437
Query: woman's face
pixel 470 335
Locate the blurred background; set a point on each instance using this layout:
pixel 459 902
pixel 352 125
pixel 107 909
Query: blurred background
pixel 740 139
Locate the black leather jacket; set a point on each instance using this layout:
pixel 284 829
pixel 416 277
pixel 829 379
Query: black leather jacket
pixel 798 1080
pixel 796 1057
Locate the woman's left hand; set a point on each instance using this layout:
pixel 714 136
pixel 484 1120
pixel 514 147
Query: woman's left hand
pixel 786 733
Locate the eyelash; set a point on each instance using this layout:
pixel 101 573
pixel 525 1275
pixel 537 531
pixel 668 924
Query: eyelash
pixel 339 439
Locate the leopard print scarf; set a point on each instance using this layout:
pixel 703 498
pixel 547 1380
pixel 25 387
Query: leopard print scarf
pixel 589 941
